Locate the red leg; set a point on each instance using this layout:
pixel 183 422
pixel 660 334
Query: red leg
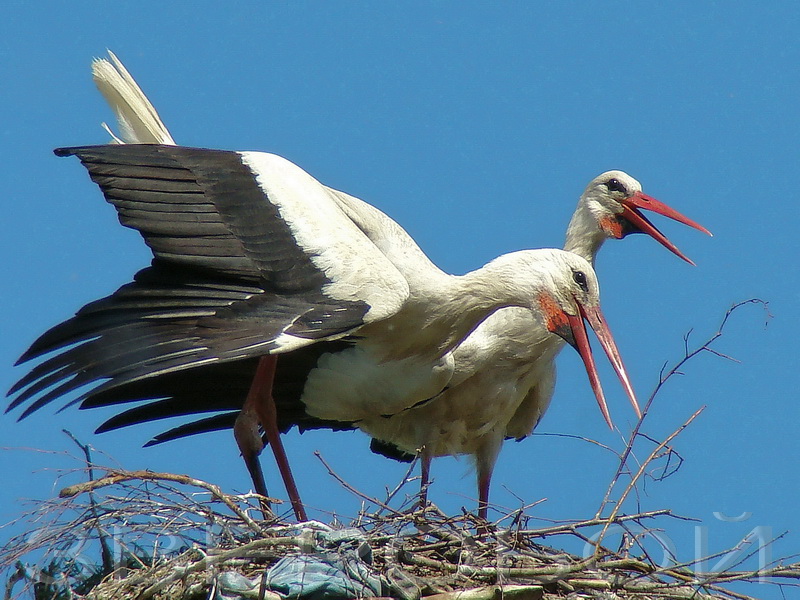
pixel 261 405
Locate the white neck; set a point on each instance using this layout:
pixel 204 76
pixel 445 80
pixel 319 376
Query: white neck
pixel 453 306
pixel 584 237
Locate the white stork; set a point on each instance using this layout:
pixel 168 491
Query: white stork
pixel 254 258
pixel 505 372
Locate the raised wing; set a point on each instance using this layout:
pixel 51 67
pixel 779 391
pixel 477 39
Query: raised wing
pixel 251 257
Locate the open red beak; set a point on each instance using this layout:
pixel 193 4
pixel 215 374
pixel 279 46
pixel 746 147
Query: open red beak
pixel 631 212
pixel 598 322
pixel 581 342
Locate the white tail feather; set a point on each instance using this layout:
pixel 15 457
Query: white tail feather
pixel 138 120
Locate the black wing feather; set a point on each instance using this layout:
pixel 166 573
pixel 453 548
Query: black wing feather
pixel 217 388
pixel 227 277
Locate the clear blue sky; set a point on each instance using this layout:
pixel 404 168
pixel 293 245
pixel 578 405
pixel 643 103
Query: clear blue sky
pixel 476 127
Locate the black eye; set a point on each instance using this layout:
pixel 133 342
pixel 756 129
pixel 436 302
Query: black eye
pixel 614 185
pixel 580 279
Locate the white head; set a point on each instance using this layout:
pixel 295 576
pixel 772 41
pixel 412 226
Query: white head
pixel 564 293
pixel 610 207
pixel 603 199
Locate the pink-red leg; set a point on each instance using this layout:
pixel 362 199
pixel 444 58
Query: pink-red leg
pixel 484 479
pixel 260 405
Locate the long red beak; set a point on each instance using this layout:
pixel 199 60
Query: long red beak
pixel 639 200
pixel 581 343
pixel 598 322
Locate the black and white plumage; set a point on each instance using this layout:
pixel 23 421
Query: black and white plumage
pixel 504 372
pixel 252 256
pixel 220 386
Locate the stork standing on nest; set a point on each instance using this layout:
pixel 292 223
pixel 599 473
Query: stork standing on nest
pixel 504 372
pixel 254 258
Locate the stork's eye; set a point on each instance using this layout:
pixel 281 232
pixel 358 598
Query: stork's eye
pixel 580 279
pixel 615 185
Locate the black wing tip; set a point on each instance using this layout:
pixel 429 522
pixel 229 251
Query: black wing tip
pixel 67 151
pixel 389 450
pixel 33 352
pixel 126 148
pixel 16 403
pixel 42 345
pixel 28 412
pixel 105 428
pixel 14 388
pixel 214 423
pixel 77 150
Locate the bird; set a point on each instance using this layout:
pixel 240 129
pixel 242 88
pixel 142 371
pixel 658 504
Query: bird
pixel 596 219
pixel 504 372
pixel 254 258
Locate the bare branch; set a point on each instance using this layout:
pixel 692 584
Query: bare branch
pixel 114 477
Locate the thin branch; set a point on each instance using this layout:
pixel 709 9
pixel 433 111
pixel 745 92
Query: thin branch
pixel 663 378
pixel 114 477
pixel 639 473
pixel 351 489
pixel 106 556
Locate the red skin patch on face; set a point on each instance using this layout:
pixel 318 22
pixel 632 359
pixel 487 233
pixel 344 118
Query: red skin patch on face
pixel 554 316
pixel 611 226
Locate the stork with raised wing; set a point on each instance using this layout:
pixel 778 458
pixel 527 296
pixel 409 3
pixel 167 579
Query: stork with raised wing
pixel 504 372
pixel 254 258
pixel 198 389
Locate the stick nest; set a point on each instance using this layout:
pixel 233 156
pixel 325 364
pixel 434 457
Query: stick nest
pixel 166 536
pixel 144 535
